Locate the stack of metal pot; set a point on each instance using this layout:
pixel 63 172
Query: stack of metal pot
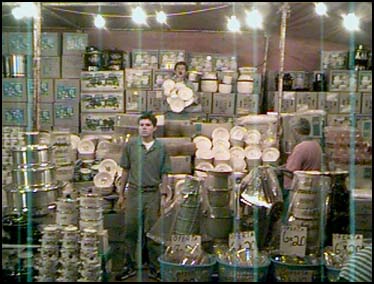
pixel 187 219
pixel 49 252
pixel 69 255
pixel 91 212
pixel 67 212
pixel 90 257
pixel 219 219
pixel 35 187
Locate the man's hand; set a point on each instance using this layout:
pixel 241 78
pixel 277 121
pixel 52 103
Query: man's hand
pixel 244 182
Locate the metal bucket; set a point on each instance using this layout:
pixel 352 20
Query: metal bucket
pixel 218 197
pixel 32 177
pixel 217 179
pixel 16 64
pixel 219 222
pixel 33 155
pixel 184 226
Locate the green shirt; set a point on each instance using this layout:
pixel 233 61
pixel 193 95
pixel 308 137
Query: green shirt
pixel 145 167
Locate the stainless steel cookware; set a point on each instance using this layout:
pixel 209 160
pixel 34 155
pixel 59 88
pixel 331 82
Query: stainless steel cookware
pixel 30 177
pixel 33 155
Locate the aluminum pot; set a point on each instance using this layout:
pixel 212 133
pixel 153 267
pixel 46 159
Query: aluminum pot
pixel 217 179
pixel 16 65
pixel 30 137
pixel 40 200
pixel 219 222
pixel 218 197
pixel 33 177
pixel 33 155
pixel 91 214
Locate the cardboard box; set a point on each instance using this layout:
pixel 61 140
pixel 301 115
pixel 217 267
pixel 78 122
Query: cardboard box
pixel 181 164
pixel 136 101
pixel 156 101
pixel 168 58
pixel 178 128
pixel 14 90
pixel 50 44
pixel 306 101
pixel 338 120
pixel 336 59
pixel 50 67
pixel 159 76
pixel 20 43
pixel 66 114
pixel 69 128
pixel 328 101
pixel 144 59
pixel 67 90
pixel 365 81
pixel 201 62
pixel 46 90
pixel 206 101
pixel 366 103
pixel 102 102
pixel 99 123
pixel 345 102
pixel 225 62
pixel 247 104
pixel 72 66
pixel 342 80
pixel 74 43
pixel 288 102
pixel 14 114
pixel 101 81
pixel 4 40
pixel 127 119
pixel 364 124
pixel 138 79
pixel 223 104
pixel 46 115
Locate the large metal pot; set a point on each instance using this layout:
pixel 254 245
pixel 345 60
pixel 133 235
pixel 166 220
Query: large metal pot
pixel 30 177
pixel 219 222
pixel 217 179
pixel 218 197
pixel 39 200
pixel 33 155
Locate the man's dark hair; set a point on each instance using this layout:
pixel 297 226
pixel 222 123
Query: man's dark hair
pixel 180 63
pixel 302 126
pixel 148 115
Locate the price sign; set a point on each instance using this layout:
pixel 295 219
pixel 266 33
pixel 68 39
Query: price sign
pixel 344 244
pixel 293 240
pixel 183 243
pixel 242 240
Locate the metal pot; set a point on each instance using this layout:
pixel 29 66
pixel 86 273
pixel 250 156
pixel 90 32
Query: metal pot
pixel 33 177
pixel 219 222
pixel 218 197
pixel 39 201
pixel 33 155
pixel 30 137
pixel 217 179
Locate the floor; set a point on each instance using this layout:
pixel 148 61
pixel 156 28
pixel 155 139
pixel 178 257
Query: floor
pixel 140 277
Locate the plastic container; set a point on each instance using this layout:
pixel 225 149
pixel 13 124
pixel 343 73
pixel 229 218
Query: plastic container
pixel 175 272
pixel 332 273
pixel 242 273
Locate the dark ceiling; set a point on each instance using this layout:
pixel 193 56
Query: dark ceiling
pixel 208 16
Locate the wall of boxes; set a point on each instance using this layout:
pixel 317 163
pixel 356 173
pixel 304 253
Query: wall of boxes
pixel 61 64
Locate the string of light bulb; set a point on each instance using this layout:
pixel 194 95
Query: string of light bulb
pixel 254 18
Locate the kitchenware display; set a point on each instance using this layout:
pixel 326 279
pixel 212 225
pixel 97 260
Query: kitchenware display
pixel 91 214
pixel 176 104
pixel 17 226
pixel 86 146
pixel 253 136
pixel 223 167
pixel 253 152
pixel 220 143
pixel 90 200
pixel 224 88
pixel 237 153
pixel 104 180
pixel 33 155
pixel 95 224
pixel 238 133
pixel 238 165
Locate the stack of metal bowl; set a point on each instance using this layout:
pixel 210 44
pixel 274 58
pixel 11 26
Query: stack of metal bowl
pixel 35 187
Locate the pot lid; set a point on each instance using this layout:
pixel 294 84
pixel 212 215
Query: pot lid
pixel 103 179
pixel 103 145
pixel 202 142
pixel 252 152
pixel 237 152
pixel 253 137
pixel 238 132
pixel 221 132
pixel 270 154
pixel 86 146
pixel 108 165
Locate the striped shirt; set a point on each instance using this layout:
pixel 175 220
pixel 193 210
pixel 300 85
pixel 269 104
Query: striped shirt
pixel 358 267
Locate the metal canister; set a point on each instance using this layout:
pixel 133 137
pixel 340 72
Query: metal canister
pixel 16 65
pixel 93 59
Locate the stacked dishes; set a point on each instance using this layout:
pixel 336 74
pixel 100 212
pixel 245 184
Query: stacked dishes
pixel 91 212
pixel 67 212
pixel 219 215
pixel 209 82
pixel 69 255
pixel 179 96
pixel 62 141
pixel 49 251
pixel 89 256
pixel 35 186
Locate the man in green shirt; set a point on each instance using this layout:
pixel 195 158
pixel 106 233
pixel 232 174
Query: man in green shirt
pixel 145 164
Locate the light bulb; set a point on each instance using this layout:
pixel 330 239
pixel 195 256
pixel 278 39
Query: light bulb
pixel 254 19
pixel 161 17
pixel 139 16
pixel 351 22
pixel 29 9
pixel 99 22
pixel 17 13
pixel 321 9
pixel 233 24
